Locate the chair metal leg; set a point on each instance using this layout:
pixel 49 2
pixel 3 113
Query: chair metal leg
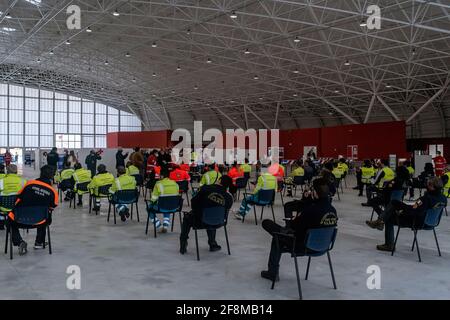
pixel 154 226
pixel 10 245
pixel 137 211
pixel 256 218
pixel 49 240
pixel 196 245
pixel 6 239
pixel 187 198
pixel 373 212
pixel 282 200
pixel 395 242
pixel 146 227
pixel 413 245
pixel 181 221
pixel 226 238
pixel 417 245
pixel 173 222
pixel 262 212
pixel 109 212
pixel 298 279
pixel 307 268
pixel 90 203
pixel 132 212
pixel 331 270
pixel 239 194
pixel 437 243
pixel 273 213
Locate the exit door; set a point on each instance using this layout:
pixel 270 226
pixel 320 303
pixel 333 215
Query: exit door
pixel 352 152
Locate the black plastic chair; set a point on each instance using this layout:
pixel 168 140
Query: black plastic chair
pixel 280 189
pixel 139 182
pixel 166 204
pixel 212 219
pixel 28 217
pixel 64 185
pixel 241 184
pixel 184 189
pixel 7 202
pixel 298 181
pixel 265 199
pixel 125 197
pixel 431 221
pixel 318 242
pixel 337 184
pixel 102 193
pixel 83 187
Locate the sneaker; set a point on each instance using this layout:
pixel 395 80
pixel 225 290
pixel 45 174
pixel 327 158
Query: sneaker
pixel 79 204
pixel 376 224
pixel 238 216
pixel 269 276
pixel 23 248
pixel 164 229
pixel 365 204
pixel 39 246
pixel 214 247
pixel 122 216
pixel 183 245
pixel 385 247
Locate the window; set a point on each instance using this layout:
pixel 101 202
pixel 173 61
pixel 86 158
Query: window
pixel 71 141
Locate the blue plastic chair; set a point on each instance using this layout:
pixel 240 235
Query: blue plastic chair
pixel 126 197
pixel 212 219
pixel 103 193
pixel 241 184
pixel 184 189
pixel 7 202
pixel 28 218
pixel 139 181
pixel 318 242
pixel 431 221
pixel 265 199
pixel 166 204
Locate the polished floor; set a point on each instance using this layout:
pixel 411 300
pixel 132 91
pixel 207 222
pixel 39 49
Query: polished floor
pixel 121 262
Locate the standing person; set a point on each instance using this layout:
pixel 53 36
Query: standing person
pixel 53 158
pixel 137 158
pixel 37 192
pixel 66 157
pixel 71 159
pixel 439 164
pixel 91 161
pixel 120 158
pixel 8 158
pixel 152 162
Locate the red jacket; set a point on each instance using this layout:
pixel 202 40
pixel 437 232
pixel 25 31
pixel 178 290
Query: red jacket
pixel 185 167
pixel 179 175
pixel 440 164
pixel 235 173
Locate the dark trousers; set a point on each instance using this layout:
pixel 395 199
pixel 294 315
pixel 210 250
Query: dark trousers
pixel 188 223
pixel 359 178
pixel 40 236
pixel 276 250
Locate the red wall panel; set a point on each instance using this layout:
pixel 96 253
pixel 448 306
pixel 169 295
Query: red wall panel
pixel 293 141
pixel 144 139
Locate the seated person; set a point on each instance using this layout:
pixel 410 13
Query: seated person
pixel 185 167
pixel 164 187
pixel 2 171
pixel 79 176
pixel 123 182
pixel 406 213
pixel 37 192
pixel 179 174
pixel 234 173
pixel 246 168
pixel 318 214
pixel 266 181
pixel 102 178
pixel 337 171
pixel 214 195
pixel 132 170
pixel 446 181
pixel 343 166
pixel 327 174
pixel 297 172
pixel 65 181
pixel 383 176
pixel 421 181
pixel 277 170
pixel 211 176
pixel 10 184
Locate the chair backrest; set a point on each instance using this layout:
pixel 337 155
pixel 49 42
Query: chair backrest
pixel 433 216
pixel 8 202
pixel 214 216
pixel 247 175
pixel 320 240
pixel 183 185
pixel 170 204
pixel 299 180
pixel 126 196
pixel 266 197
pixel 397 195
pixel 104 190
pixel 241 183
pixel 82 186
pixel 139 179
pixel 30 215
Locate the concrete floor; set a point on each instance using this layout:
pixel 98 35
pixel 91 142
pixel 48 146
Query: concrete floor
pixel 121 262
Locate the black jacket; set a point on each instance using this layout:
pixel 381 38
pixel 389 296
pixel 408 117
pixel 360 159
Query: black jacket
pixel 120 159
pixel 210 196
pixel 52 159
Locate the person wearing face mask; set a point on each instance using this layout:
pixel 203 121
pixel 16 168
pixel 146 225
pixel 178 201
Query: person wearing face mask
pixel 318 214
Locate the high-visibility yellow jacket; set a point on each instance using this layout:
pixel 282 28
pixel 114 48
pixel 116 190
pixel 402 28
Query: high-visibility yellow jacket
pixel 210 177
pixel 447 185
pixel 64 175
pixel 367 174
pixel 164 187
pixel 133 170
pixel 389 175
pixel 2 175
pixel 411 170
pixel 123 182
pixel 246 168
pixel 297 172
pixel 343 167
pixel 100 180
pixel 338 173
pixel 266 181
pixel 11 184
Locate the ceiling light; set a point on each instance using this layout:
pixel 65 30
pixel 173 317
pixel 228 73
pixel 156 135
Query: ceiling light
pixel 38 60
pixel 260 98
pixel 295 95
pixel 127 55
pixel 67 41
pixel 296 71
pixel 330 113
pixel 336 91
pixel 297 39
pixel 154 45
pixel 134 80
pixel 154 74
pixel 414 51
pixel 247 51
pixel 208 61
pixel 106 62
pixel 8 29
pixel 347 63
pixel 388 86
pixel 173 91
pixel 88 29
pixel 51 53
pixel 208 104
pixel 35 2
pixel 233 15
pixel 154 95
pixel 232 101
pixel 178 68
pixel 363 23
pixel 8 16
pixel 195 88
pixel 116 13
pixel 188 31
pixel 256 77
